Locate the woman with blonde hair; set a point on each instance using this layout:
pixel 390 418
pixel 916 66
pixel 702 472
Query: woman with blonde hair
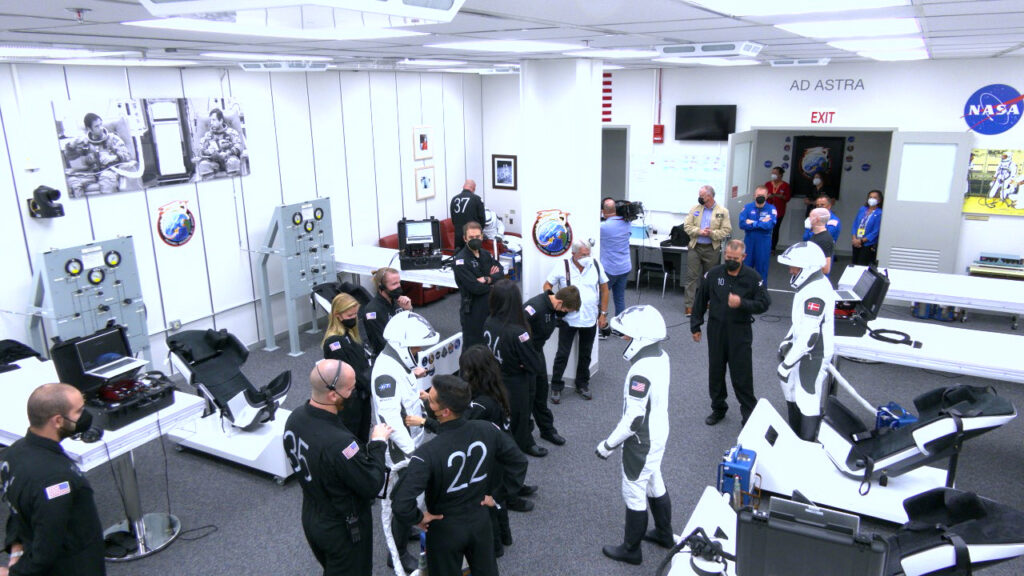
pixel 342 342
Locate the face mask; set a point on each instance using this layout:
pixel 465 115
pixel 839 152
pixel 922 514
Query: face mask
pixel 872 202
pixel 585 261
pixel 807 223
pixel 774 176
pixel 348 322
pixel 84 423
pixel 394 294
pixel 817 181
pixel 732 265
pixel 700 201
pixel 561 313
pixel 760 200
pixel 475 244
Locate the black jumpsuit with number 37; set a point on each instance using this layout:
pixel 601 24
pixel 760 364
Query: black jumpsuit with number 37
pixel 340 478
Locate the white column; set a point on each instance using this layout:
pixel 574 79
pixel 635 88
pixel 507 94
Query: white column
pixel 559 160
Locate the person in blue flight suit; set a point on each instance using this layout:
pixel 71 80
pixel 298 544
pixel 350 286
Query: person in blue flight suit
pixel 758 220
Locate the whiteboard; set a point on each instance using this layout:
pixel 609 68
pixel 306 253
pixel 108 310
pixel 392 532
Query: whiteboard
pixel 670 184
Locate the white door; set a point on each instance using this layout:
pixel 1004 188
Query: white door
pixel 921 211
pixel 739 187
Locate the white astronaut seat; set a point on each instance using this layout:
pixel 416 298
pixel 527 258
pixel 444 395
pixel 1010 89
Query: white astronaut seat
pixel 323 294
pixel 211 360
pixel 946 418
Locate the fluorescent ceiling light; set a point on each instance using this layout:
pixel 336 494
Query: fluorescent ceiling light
pixel 519 46
pixel 220 27
pixel 120 62
pixel 863 28
pixel 462 70
pixel 428 62
pixel 46 52
pixel 611 67
pixel 613 53
pixel 879 44
pixel 896 56
pixel 710 61
pixel 263 57
pixel 799 62
pixel 772 7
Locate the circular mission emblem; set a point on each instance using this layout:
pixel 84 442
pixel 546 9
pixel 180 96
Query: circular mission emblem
pixel 175 223
pixel 552 233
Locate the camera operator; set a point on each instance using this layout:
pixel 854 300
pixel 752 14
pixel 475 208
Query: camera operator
pixel 615 252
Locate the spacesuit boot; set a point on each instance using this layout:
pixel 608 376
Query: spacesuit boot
pixel 806 427
pixel 794 416
pixel 661 509
pixel 629 551
pixel 400 533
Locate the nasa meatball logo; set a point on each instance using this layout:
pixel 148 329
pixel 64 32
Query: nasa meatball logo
pixel 993 109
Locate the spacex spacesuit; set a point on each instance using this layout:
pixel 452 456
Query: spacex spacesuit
pixel 642 432
pixel 806 351
pixel 1003 180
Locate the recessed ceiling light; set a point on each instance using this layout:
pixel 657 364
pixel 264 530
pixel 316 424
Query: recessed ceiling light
pixel 879 44
pixel 896 56
pixel 462 70
pixel 51 52
pixel 783 62
pixel 763 8
pixel 519 46
pixel 611 67
pixel 128 62
pixel 709 61
pixel 428 62
pixel 613 53
pixel 219 27
pixel 863 28
pixel 256 57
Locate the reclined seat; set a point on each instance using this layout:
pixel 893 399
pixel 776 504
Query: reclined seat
pixel 211 360
pixel 323 294
pixel 946 417
pixel 952 532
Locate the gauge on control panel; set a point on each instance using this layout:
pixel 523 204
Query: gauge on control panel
pixel 96 275
pixel 73 267
pixel 309 226
pixel 318 214
pixel 112 258
pixel 297 218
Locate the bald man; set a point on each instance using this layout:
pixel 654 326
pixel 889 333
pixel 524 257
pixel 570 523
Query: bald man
pixel 339 476
pixel 53 527
pixel 466 207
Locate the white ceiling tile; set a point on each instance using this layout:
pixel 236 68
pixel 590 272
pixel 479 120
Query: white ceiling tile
pixel 983 22
pixel 947 8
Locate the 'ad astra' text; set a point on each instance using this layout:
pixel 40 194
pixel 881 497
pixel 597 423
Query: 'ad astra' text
pixel 829 85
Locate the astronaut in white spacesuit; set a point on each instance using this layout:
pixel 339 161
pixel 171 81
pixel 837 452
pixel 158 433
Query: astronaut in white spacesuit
pixel 642 432
pixel 1003 181
pixel 396 393
pixel 806 351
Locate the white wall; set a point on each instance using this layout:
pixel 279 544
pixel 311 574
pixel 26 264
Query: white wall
pixel 501 129
pixel 342 135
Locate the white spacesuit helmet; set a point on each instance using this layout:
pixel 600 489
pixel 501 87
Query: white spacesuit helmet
pixel 408 330
pixel 643 324
pixel 807 256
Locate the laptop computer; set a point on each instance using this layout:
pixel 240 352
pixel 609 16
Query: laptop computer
pixel 859 290
pixel 105 355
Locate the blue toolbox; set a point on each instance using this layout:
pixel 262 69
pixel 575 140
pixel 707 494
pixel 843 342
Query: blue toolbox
pixel 738 464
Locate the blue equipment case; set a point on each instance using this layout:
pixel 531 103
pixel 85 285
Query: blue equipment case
pixel 737 462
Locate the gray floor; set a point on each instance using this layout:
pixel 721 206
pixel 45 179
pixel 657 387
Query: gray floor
pixel 578 507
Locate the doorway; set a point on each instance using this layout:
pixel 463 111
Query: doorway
pixel 614 162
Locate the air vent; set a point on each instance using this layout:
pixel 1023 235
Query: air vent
pixel 716 49
pixel 283 66
pixel 914 259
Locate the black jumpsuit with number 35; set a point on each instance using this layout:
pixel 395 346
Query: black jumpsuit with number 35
pixel 340 478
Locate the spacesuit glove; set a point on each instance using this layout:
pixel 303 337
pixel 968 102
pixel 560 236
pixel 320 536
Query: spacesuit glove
pixel 784 349
pixel 603 451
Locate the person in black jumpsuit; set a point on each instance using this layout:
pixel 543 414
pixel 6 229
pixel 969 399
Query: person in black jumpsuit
pixel 466 207
pixel 543 312
pixel 454 472
pixel 508 336
pixel 732 293
pixel 53 528
pixel 339 476
pixel 379 310
pixel 475 271
pixel 342 342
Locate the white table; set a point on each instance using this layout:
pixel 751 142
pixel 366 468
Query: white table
pixel 153 531
pixel 972 292
pixel 367 259
pixel 944 348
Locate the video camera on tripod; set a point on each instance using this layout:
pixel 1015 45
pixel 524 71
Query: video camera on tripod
pixel 628 211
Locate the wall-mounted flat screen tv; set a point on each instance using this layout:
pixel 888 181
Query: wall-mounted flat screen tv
pixel 711 122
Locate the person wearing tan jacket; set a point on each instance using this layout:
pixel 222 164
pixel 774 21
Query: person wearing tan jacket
pixel 707 224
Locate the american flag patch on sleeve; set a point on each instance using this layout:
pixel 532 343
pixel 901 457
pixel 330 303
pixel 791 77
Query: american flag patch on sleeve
pixel 351 451
pixel 529 310
pixel 524 337
pixel 638 385
pixel 58 490
pixel 460 262
pixel 371 315
pixel 334 346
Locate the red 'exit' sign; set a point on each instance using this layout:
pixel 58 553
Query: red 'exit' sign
pixel 823 116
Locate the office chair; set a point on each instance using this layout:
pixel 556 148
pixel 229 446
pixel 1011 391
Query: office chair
pixel 651 259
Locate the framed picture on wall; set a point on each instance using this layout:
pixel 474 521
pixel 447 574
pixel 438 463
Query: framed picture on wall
pixel 504 173
pixel 423 143
pixel 424 182
pixel 817 157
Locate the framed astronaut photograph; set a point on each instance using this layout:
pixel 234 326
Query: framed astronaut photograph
pixel 504 173
pixel 216 143
pixel 995 178
pixel 100 144
pixel 423 143
pixel 424 182
pixel 816 156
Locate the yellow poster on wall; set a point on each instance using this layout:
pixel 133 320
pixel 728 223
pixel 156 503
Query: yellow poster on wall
pixel 993 180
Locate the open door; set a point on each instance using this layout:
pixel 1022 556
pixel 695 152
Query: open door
pixel 921 212
pixel 739 187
